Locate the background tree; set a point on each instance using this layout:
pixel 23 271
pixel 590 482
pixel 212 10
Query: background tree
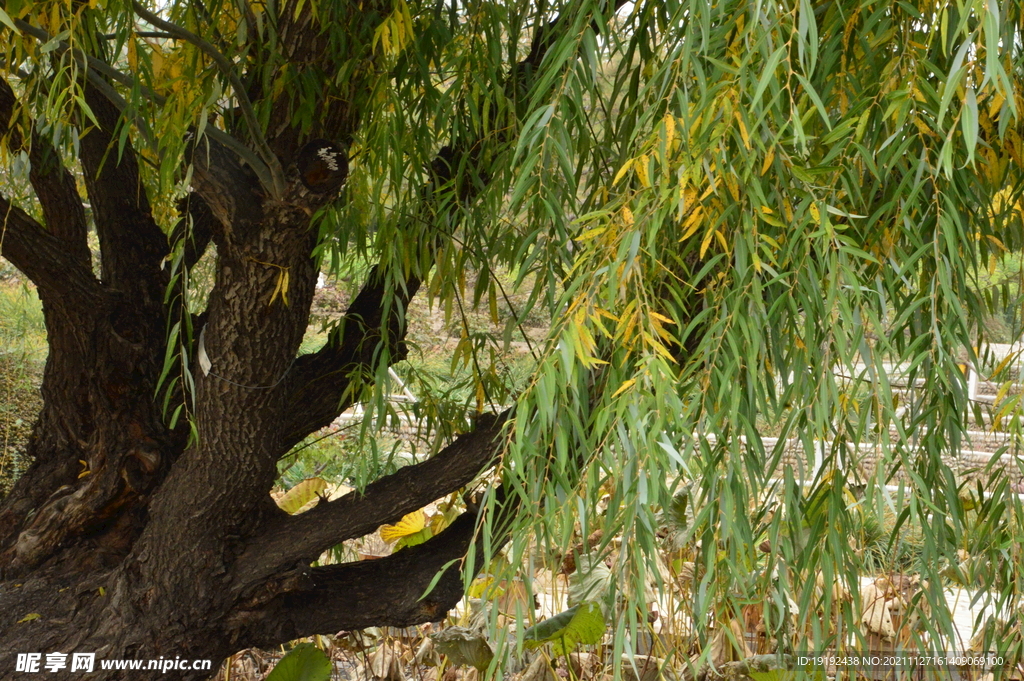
pixel 718 204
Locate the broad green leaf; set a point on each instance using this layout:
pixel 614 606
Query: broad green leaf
pixel 582 624
pixel 464 647
pixel 413 539
pixel 304 662
pixel 591 582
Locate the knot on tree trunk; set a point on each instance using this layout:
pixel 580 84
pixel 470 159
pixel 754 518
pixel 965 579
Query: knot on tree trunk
pixel 323 166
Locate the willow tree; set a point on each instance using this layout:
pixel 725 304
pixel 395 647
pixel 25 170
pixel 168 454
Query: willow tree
pixel 718 204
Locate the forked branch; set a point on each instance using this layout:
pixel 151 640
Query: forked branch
pixel 45 260
pixel 391 591
pixel 298 539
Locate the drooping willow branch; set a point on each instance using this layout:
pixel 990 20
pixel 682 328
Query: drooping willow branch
pixel 225 66
pixel 95 67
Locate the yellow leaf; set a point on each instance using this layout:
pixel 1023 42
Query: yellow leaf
pixel 628 329
pixel 627 216
pixel 410 524
pixel 480 585
pixel 767 211
pixel 29 617
pixel 733 186
pixel 815 213
pixel 626 385
pixel 706 242
pixel 659 348
pixel 622 171
pixel 133 55
pixel 721 240
pixel 670 130
pixel 692 223
pixel 157 58
pixel 743 130
pixel 996 104
pixel 997 242
pixel 768 161
pixel 440 522
pixel 303 496
pixel 591 233
pixel 277 290
pixel 640 165
pixel 661 318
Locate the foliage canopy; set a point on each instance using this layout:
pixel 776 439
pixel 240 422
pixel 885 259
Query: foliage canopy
pixel 739 216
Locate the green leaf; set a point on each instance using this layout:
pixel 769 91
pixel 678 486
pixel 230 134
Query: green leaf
pixel 304 662
pixel 414 539
pixel 6 21
pixel 464 647
pixel 815 99
pixel 768 73
pixel 591 581
pixel 581 624
pixel 969 123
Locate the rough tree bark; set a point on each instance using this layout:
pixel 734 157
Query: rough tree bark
pixel 123 537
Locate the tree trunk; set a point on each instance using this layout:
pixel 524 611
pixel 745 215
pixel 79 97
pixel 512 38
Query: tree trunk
pixel 132 539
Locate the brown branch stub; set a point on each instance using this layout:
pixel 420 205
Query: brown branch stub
pixel 301 538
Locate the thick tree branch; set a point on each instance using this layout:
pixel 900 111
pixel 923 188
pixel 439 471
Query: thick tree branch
pixel 229 188
pixel 55 187
pixel 45 260
pixel 132 246
pixel 319 381
pixel 389 591
pixel 302 538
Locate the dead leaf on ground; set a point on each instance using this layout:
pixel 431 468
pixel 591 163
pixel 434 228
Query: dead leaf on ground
pixel 386 664
pixel 875 615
